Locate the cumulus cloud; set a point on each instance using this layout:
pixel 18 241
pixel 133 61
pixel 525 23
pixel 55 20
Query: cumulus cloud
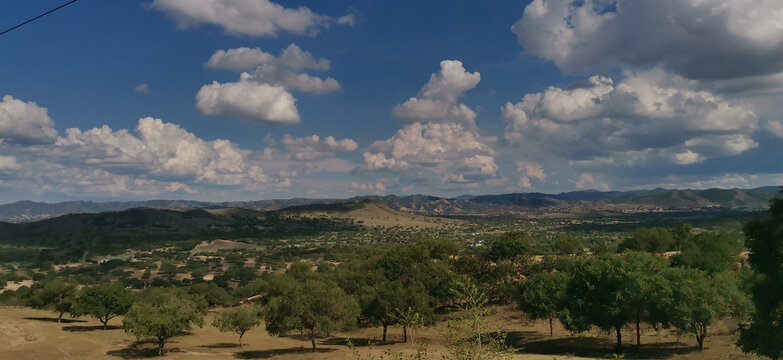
pixel 437 100
pixel 263 94
pixel 161 151
pixel 243 58
pixel 8 163
pixel 248 17
pixel 438 148
pixel 247 99
pixel 314 147
pixel 586 181
pixel 528 170
pixel 707 39
pixel 25 122
pixel 645 113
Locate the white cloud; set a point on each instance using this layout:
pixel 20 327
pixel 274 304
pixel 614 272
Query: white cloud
pixel 687 157
pixel 586 181
pixel 249 100
pixel 313 147
pixel 8 163
pixel 437 100
pixel 645 112
pixel 142 89
pixel 243 58
pixel 775 127
pixel 698 39
pixel 239 59
pixel 263 94
pixel 25 122
pixel 531 169
pixel 160 151
pixel 248 17
pixel 438 148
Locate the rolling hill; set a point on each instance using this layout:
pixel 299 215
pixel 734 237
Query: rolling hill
pixel 731 199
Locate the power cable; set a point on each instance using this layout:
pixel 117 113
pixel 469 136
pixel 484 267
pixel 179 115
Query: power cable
pixel 37 17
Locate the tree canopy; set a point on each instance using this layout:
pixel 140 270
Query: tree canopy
pixel 765 240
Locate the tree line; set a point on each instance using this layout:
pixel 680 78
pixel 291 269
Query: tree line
pixel 414 285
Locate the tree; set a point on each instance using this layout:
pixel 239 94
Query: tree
pixel 699 300
pixel 238 320
pixel 682 233
pixel 542 296
pixel 610 291
pixel 315 309
pixel 467 336
pixel 103 302
pixel 651 240
pixel 710 251
pixel 765 240
pixel 163 316
pixel 646 291
pixel 379 307
pixel 568 245
pixel 56 295
pixel 509 246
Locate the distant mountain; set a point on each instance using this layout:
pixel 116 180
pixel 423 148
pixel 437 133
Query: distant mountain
pixel 654 199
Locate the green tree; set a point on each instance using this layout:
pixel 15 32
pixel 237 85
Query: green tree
pixel 238 320
pixel 765 240
pixel 699 300
pixel 542 296
pixel 610 291
pixel 103 302
pixel 651 240
pixel 163 315
pixel 568 245
pixel 509 246
pixel 711 251
pixel 646 291
pixel 56 295
pixel 214 295
pixel 682 233
pixel 468 336
pixel 315 309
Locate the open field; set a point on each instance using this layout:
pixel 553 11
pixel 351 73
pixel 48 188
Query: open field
pixel 34 334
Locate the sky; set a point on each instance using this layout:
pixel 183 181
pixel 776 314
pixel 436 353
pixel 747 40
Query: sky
pixel 223 100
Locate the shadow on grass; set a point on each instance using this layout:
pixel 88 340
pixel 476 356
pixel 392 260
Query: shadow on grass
pixel 358 342
pixel 140 350
pixel 76 328
pixel 221 345
pixel 532 342
pixel 265 354
pixel 64 321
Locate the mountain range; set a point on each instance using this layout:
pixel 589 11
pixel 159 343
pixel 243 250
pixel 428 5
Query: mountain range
pixel 577 201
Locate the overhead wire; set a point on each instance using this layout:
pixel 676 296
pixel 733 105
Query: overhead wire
pixel 36 18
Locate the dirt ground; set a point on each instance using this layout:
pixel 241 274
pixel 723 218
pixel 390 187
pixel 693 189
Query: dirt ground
pixel 34 334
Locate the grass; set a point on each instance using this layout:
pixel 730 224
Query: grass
pixel 33 334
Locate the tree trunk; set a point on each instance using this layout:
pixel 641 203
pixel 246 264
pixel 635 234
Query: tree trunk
pixel 700 335
pixel 240 339
pixel 551 332
pixel 385 327
pixel 404 334
pixel 312 341
pixel 60 318
pixel 638 332
pixel 161 342
pixel 105 321
pixel 619 338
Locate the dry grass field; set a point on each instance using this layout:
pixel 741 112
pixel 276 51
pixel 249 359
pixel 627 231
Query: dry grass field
pixel 34 334
pixel 373 214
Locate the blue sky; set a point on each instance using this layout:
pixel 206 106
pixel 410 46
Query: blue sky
pixel 145 99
